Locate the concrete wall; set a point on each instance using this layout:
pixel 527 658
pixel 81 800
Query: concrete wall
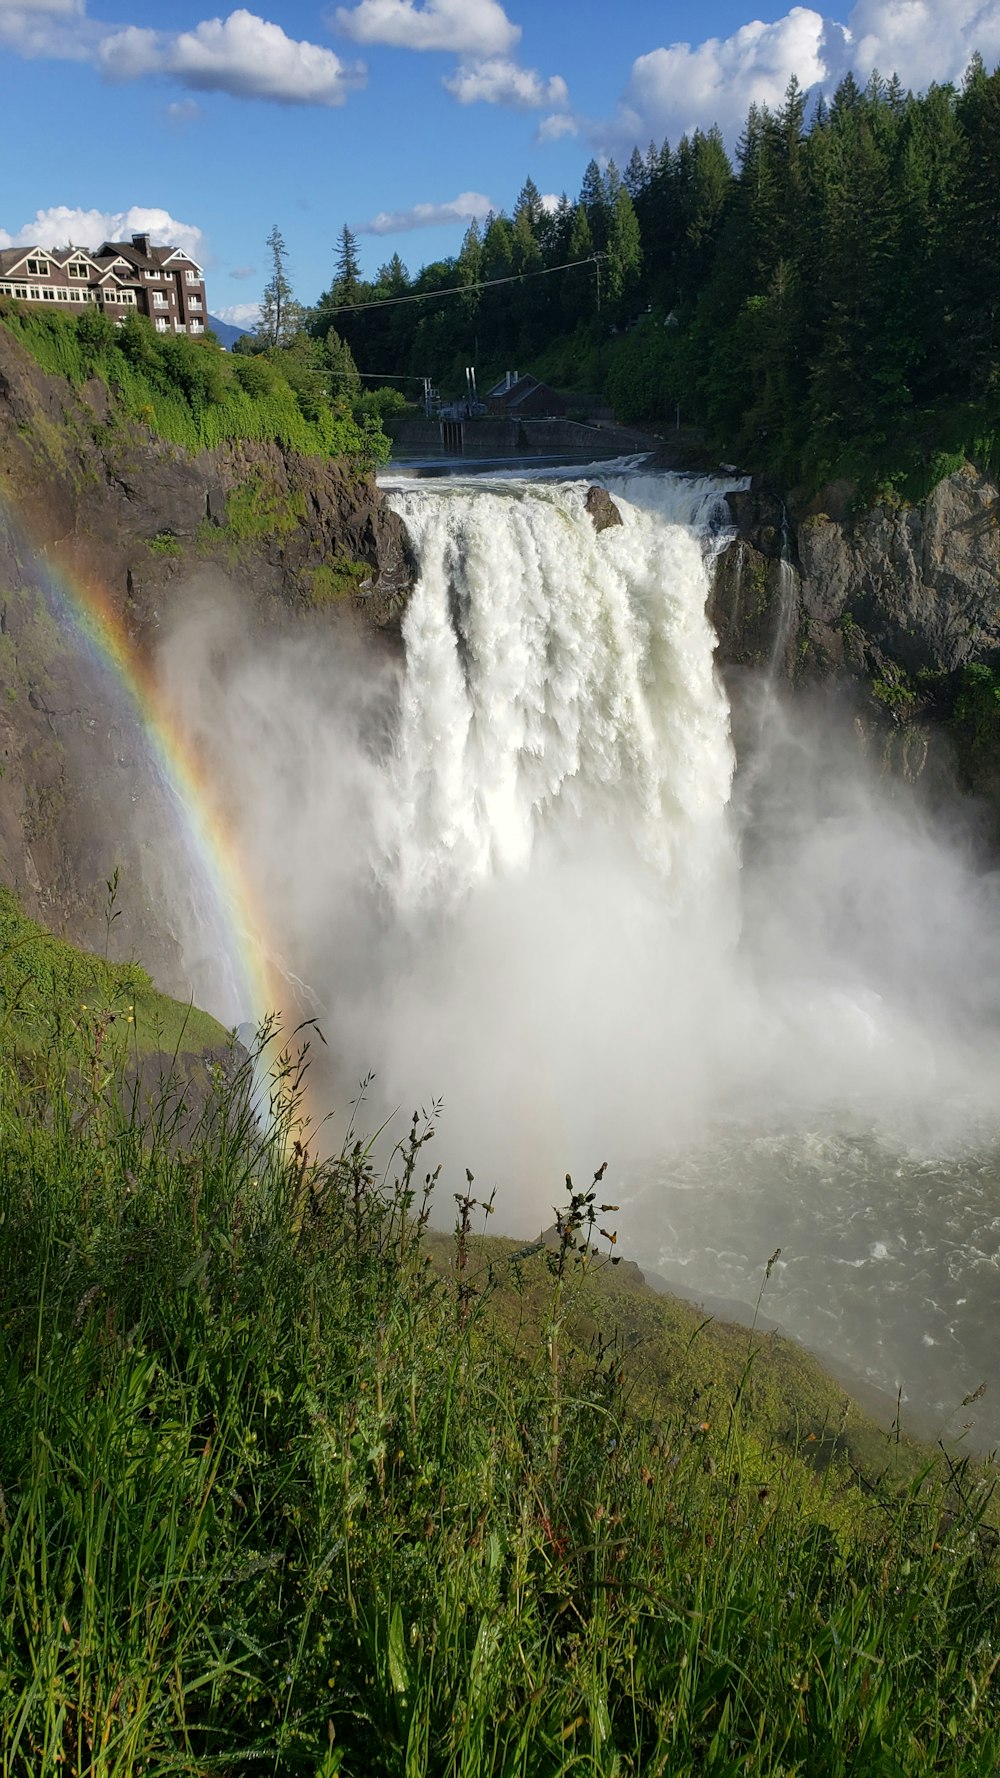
pixel 506 438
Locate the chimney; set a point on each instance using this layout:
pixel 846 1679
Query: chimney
pixel 142 242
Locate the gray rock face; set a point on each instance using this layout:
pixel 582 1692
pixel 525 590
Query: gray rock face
pixel 922 583
pixel 602 508
pixel 900 588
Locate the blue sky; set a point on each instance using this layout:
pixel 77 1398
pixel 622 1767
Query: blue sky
pixel 400 117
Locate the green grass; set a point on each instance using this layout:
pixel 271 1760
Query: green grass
pixel 290 1485
pixel 45 980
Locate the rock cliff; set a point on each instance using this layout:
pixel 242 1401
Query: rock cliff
pixel 914 586
pixel 86 498
pixel 898 600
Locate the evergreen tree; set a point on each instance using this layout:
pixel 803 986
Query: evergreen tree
pixel 281 316
pixel 623 261
pixel 345 381
pixel 346 289
pixel 578 285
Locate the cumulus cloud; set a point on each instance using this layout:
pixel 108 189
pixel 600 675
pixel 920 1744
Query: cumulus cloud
pixel 60 225
pixel 468 205
pixel 468 27
pixel 684 86
pixel 924 40
pixel 242 55
pixel 184 111
pixel 497 81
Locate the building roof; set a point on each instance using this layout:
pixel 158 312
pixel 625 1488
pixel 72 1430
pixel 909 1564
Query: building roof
pixel 512 394
pixel 140 252
pixel 116 265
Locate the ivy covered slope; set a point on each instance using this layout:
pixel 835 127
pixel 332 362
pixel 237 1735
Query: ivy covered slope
pixel 193 394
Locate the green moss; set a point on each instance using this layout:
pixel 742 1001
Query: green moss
pixel 894 692
pixel 339 579
pixel 164 544
pixel 259 507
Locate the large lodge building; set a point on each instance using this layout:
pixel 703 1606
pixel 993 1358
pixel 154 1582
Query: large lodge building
pixel 123 277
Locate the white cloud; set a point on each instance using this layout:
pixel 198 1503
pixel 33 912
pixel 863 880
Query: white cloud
pixel 60 226
pixel 500 82
pixel 60 8
pixel 242 55
pixel 239 272
pixel 56 29
pixel 924 40
pixel 239 314
pixel 184 111
pixel 468 27
pixel 551 128
pixel 684 86
pixel 467 205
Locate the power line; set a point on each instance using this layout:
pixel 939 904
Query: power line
pixel 424 296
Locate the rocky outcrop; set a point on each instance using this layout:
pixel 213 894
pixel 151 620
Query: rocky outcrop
pixel 89 500
pixel 920 583
pixel 901 590
pixel 602 508
pixel 895 601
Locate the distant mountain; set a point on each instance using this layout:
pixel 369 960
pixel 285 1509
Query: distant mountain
pixel 225 332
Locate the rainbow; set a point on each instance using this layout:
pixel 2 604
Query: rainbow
pixel 81 605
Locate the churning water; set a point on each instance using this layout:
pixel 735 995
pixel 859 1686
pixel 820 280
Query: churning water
pixel 516 872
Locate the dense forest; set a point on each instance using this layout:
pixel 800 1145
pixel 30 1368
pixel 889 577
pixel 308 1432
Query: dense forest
pixel 828 306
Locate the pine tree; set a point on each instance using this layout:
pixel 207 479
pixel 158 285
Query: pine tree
pixel 346 289
pixel 281 317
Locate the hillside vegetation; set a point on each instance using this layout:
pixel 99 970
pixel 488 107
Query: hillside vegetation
pixel 192 393
pixel 828 307
pixel 289 1484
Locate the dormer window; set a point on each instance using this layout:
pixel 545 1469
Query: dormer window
pixel 77 268
pixel 38 268
pixel 152 274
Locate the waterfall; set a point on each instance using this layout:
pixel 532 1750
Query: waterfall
pixel 556 677
pixel 788 591
pixel 508 867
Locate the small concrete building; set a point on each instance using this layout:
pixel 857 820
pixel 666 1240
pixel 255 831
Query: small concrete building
pixel 518 398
